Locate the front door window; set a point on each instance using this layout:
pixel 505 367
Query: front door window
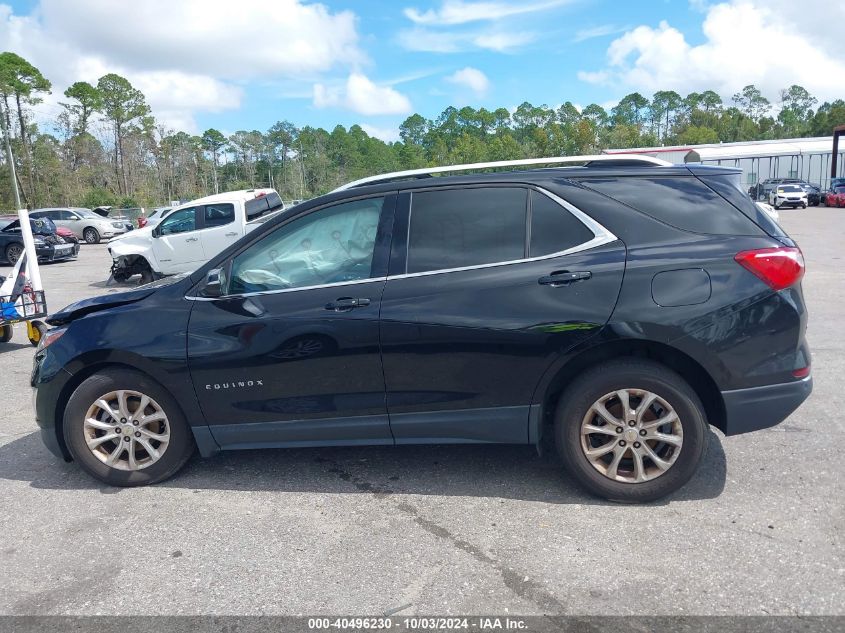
pixel 332 245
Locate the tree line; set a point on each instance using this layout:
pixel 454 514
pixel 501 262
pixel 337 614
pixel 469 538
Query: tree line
pixel 104 145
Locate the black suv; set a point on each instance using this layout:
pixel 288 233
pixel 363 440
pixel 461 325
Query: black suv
pixel 617 308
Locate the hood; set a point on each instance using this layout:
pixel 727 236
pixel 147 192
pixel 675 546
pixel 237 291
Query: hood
pixel 136 242
pixel 104 302
pixel 95 304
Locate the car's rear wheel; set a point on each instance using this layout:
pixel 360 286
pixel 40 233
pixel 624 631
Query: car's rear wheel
pixel 13 253
pixel 630 431
pixel 125 429
pixel 91 235
pixel 5 333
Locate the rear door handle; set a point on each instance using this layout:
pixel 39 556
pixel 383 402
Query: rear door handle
pixel 232 234
pixel 345 304
pixel 191 239
pixel 564 278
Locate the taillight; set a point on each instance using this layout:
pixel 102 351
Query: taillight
pixel 779 267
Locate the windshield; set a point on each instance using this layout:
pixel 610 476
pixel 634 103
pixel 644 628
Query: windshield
pixel 86 213
pixel 790 189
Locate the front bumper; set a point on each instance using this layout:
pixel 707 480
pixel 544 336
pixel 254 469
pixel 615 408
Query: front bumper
pixel 53 253
pixel 758 408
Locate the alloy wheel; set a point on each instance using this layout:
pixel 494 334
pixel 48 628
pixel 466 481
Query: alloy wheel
pixel 126 430
pixel 13 253
pixel 631 435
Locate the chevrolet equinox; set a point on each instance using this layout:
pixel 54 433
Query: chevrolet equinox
pixel 618 307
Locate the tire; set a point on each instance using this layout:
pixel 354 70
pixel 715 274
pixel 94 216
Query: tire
pixel 91 235
pixel 690 426
pixel 13 253
pixel 5 333
pixel 803 205
pixel 40 329
pixel 106 385
pixel 147 276
pixel 120 277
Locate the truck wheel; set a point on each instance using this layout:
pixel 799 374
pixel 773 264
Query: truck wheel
pixel 120 276
pixel 147 276
pixel 91 236
pixel 13 253
pixel 631 431
pixel 125 429
pixel 5 333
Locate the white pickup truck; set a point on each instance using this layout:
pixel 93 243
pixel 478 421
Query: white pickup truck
pixel 191 234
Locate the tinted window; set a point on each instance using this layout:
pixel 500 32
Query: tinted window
pixel 179 222
pixel 331 245
pixel 67 215
pixel 553 228
pixel 219 214
pixel 729 188
pixel 466 227
pixel 683 202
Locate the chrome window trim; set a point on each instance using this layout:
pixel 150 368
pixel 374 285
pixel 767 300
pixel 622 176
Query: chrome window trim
pixel 601 236
pixel 259 293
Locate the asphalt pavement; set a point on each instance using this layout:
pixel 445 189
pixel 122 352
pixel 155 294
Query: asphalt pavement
pixel 435 530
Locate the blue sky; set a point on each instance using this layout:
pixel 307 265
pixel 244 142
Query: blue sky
pixel 245 65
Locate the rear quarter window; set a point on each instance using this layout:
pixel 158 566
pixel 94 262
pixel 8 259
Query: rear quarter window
pixel 684 202
pixel 729 188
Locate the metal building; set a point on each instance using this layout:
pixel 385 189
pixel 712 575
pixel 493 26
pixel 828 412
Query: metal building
pixel 806 158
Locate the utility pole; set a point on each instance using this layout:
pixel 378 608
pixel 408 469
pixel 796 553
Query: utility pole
pixel 9 159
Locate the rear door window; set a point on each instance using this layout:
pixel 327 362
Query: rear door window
pixel 553 228
pixel 457 228
pixel 219 214
pixel 684 202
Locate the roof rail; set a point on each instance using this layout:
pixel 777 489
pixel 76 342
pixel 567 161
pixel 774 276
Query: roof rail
pixel 523 162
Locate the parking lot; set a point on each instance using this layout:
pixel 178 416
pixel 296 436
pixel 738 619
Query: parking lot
pixel 431 529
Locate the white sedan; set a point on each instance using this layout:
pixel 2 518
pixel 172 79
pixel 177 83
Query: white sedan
pixel 788 196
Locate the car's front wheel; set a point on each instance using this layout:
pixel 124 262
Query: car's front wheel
pixel 631 431
pixel 91 235
pixel 125 429
pixel 13 253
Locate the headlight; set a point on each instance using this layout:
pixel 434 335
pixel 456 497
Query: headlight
pixel 38 241
pixel 50 337
pixel 117 225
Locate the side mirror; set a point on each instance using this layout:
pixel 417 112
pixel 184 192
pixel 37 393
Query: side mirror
pixel 213 286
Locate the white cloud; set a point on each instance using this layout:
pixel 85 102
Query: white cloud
pixel 471 78
pixel 187 56
pixel 598 31
pixel 460 12
pixel 386 134
pixel 361 95
pixel 432 41
pixel 745 43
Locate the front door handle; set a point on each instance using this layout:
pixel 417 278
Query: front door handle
pixel 564 278
pixel 191 239
pixel 232 234
pixel 345 304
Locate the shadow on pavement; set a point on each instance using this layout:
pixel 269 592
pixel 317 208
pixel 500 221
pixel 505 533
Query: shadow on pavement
pixel 503 471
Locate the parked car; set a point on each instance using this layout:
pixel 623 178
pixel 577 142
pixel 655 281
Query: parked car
pixel 813 194
pixel 788 196
pixel 68 236
pixel 836 197
pixel 834 183
pixel 191 234
pixel 49 247
pixel 153 218
pixel 84 223
pixel 486 307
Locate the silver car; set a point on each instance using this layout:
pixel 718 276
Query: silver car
pixel 84 223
